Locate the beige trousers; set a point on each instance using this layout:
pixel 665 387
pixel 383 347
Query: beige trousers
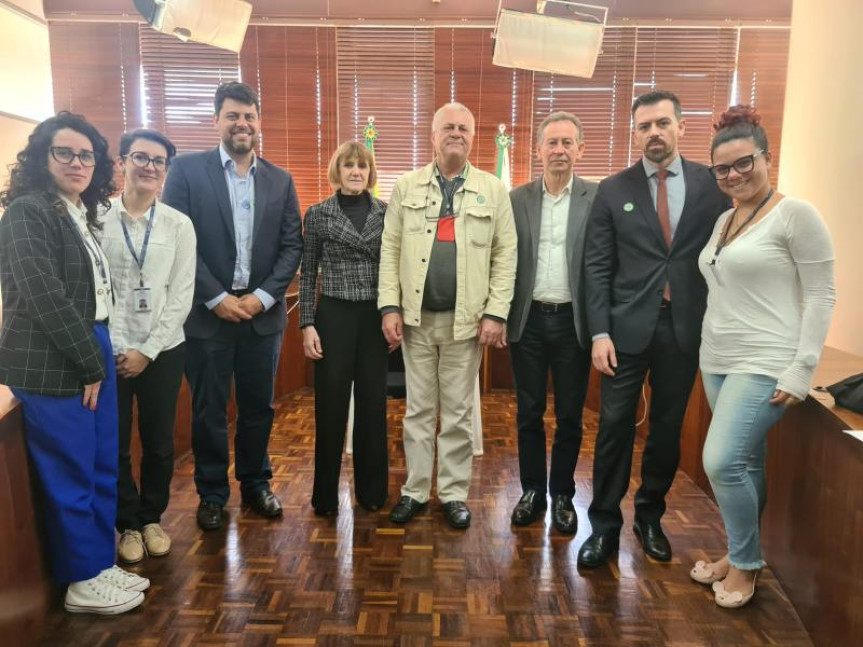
pixel 440 374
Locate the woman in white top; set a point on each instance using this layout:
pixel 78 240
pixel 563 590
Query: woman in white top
pixel 56 356
pixel 151 249
pixel 769 272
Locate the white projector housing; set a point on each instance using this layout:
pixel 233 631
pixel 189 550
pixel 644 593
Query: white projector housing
pixel 221 23
pixel 547 43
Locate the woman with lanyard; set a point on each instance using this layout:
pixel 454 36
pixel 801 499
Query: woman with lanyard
pixel 151 250
pixel 342 332
pixel 769 271
pixel 56 356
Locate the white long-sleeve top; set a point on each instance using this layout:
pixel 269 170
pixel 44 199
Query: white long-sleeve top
pixel 771 297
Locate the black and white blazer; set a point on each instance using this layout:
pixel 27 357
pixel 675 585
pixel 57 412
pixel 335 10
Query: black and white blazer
pixel 348 259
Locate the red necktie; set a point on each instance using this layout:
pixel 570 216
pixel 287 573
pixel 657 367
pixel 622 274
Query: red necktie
pixel 664 217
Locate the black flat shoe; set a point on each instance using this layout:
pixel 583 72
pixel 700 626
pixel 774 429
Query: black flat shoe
pixel 597 550
pixel 653 541
pixel 323 512
pixel 563 514
pixel 264 503
pixel 405 509
pixel 209 515
pixel 457 514
pixel 530 507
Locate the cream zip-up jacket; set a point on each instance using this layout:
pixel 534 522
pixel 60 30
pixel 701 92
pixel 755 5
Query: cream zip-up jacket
pixel 486 247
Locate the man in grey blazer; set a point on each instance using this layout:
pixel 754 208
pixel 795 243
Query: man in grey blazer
pixel 547 325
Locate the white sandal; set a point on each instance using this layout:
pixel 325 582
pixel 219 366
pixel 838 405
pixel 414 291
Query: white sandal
pixel 733 599
pixel 704 575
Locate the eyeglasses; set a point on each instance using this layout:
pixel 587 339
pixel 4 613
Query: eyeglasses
pixel 742 165
pixel 66 155
pixel 142 160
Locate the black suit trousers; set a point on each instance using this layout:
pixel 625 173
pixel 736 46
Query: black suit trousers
pixel 155 390
pixel 355 352
pixel 672 373
pixel 549 342
pixel 235 352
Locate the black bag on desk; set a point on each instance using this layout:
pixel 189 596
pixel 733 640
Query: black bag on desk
pixel 848 393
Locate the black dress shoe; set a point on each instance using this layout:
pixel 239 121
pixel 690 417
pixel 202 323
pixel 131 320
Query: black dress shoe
pixel 597 550
pixel 209 515
pixel 264 503
pixel 530 507
pixel 405 509
pixel 457 514
pixel 326 512
pixel 563 514
pixel 653 541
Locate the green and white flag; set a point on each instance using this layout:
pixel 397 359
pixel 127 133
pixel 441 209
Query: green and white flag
pixel 503 143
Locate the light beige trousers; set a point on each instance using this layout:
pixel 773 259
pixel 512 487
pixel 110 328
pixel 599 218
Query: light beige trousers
pixel 440 374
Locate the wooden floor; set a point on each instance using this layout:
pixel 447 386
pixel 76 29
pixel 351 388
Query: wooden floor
pixel 360 580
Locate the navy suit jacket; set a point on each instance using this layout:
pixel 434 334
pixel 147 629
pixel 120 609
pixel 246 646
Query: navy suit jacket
pixel 627 261
pixel 196 185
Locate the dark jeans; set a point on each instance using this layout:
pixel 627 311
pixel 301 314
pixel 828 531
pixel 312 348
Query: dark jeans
pixel 156 390
pixel 235 351
pixel 672 373
pixel 355 351
pixel 549 342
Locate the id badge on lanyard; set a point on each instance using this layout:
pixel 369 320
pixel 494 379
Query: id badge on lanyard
pixel 142 295
pixel 446 223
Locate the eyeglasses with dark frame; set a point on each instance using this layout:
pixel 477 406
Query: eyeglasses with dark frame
pixel 66 155
pixel 742 165
pixel 142 160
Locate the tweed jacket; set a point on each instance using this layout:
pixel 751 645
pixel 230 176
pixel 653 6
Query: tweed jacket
pixel 347 258
pixel 47 344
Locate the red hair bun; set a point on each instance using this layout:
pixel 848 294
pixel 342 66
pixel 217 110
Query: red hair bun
pixel 738 115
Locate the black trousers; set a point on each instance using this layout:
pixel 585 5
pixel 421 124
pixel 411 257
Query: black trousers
pixel 672 373
pixel 156 390
pixel 235 352
pixel 548 342
pixel 355 351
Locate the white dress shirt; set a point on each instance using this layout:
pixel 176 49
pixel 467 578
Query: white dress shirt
pixel 169 273
pixel 552 273
pixel 100 265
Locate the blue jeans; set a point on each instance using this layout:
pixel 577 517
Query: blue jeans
pixel 734 457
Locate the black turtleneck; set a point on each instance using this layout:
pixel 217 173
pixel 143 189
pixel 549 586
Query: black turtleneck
pixel 356 208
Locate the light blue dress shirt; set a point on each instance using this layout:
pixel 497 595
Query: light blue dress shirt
pixel 676 185
pixel 241 191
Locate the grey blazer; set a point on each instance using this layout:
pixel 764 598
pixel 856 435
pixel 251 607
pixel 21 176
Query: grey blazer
pixel 527 210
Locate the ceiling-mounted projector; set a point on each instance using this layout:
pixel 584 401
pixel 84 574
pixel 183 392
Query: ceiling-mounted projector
pixel 544 43
pixel 221 23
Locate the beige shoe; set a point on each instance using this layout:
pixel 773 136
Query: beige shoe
pixel 157 541
pixel 131 547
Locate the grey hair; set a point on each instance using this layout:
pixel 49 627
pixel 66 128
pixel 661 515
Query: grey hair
pixel 447 106
pixel 560 115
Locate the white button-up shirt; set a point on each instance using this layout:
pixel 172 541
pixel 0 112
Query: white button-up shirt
pixel 100 266
pixel 552 275
pixel 169 272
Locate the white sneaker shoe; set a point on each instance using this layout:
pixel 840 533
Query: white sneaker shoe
pixel 156 540
pixel 125 580
pixel 131 547
pixel 97 595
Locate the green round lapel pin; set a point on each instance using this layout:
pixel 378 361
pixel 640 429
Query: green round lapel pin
pixel 480 199
pixel 628 207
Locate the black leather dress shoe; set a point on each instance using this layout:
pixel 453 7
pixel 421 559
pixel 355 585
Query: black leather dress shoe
pixel 264 503
pixel 597 550
pixel 326 512
pixel 405 509
pixel 563 514
pixel 209 515
pixel 457 514
pixel 530 507
pixel 653 541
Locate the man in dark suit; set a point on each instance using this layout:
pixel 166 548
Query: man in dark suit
pixel 547 326
pixel 645 302
pixel 247 221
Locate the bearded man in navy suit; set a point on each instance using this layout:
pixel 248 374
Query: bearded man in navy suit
pixel 247 220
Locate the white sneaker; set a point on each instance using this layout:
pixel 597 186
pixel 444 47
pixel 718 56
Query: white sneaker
pixel 97 595
pixel 156 540
pixel 125 580
pixel 131 547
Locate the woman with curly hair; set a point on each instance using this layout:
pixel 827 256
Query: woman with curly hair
pixel 769 272
pixel 55 353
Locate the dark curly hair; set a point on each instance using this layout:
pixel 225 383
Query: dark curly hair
pixel 31 175
pixel 739 122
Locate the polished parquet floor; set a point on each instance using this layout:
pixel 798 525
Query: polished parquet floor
pixel 360 580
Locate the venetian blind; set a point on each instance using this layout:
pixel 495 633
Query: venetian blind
pixel 180 80
pixel 388 73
